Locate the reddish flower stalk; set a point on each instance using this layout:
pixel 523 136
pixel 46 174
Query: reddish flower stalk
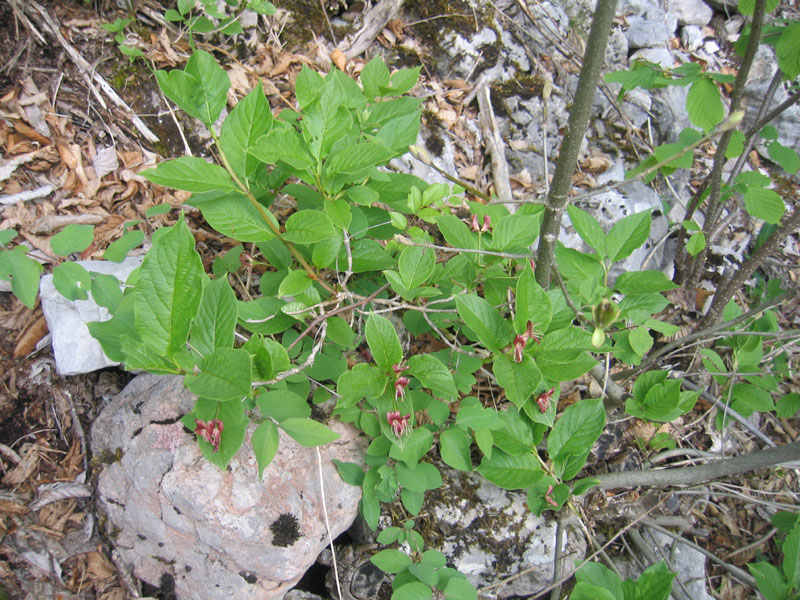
pixel 210 431
pixel 398 423
pixel 519 347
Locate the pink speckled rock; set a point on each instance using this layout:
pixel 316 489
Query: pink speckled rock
pixel 219 534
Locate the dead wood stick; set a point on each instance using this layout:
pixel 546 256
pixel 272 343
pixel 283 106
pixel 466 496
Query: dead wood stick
pixel 374 22
pixel 494 143
pixel 90 74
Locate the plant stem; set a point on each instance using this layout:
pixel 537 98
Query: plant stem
pixel 714 206
pixel 576 129
pixel 263 213
pixel 726 290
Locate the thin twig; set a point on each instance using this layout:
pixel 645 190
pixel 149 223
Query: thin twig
pixel 327 523
pixel 407 242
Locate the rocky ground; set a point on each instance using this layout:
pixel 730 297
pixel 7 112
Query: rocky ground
pixel 60 127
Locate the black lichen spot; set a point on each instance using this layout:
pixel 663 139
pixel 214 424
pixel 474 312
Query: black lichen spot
pixel 187 568
pixel 285 530
pixel 141 537
pixel 137 409
pixel 248 577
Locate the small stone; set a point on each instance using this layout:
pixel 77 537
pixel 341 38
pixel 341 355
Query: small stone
pixel 645 34
pixel 691 37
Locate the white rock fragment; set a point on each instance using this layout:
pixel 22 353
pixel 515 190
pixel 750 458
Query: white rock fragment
pixel 75 350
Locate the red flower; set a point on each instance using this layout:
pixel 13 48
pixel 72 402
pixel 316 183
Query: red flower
pixel 398 423
pixel 519 347
pixel 543 399
pixel 474 224
pixel 547 497
pixel 487 224
pixel 400 388
pixel 210 431
pixel 399 369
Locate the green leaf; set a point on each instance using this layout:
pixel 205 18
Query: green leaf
pixel 746 7
pixel 601 576
pixel 735 146
pixel 167 296
pixel 383 342
pixel 749 398
pixel 765 204
pixel 225 375
pixel 696 243
pixel 72 281
pixel 233 215
pixel 577 266
pixel 788 405
pixel 640 340
pixel 216 318
pixel 655 583
pixel 415 446
pixel 73 238
pixel 232 415
pixel 588 591
pixel 374 76
pixel 627 235
pixel 482 318
pixel 307 432
pixel 416 265
pixel 339 332
pixel 704 104
pixel 191 174
pixel 403 80
pixel 296 282
pixel 281 405
pixel 250 119
pixel 6 235
pixel 460 589
pixel 788 51
pixel 354 475
pixel 588 228
pixel 511 472
pixel 415 590
pixel 200 89
pixel 519 380
pixel 353 163
pixel 308 227
pixel 265 445
pixel 787 158
pixel 769 580
pixel 106 291
pixel 118 250
pixel 434 375
pixel 283 143
pixel 515 232
pixel 576 430
pixel 456 233
pixel 643 282
pixel 532 304
pixel 454 448
pixel 791 557
pixel 391 561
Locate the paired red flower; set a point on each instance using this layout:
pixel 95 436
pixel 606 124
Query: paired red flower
pixel 210 431
pixel 521 340
pixel 548 498
pixel 543 399
pixel 400 387
pixel 398 423
pixel 487 224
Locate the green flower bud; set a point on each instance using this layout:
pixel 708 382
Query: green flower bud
pixel 605 314
pixel 598 337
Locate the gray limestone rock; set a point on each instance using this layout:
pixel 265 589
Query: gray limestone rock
pixel 75 350
pixel 691 12
pixel 488 533
pixel 218 534
pixel 642 33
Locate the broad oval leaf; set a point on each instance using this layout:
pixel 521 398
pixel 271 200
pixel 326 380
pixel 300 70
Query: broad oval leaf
pixel 72 281
pixel 454 447
pixel 577 429
pixel 511 472
pixel 225 375
pixel 216 318
pixel 308 227
pixel 482 318
pixel 73 238
pixel 307 432
pixel 704 104
pixel 191 174
pixel 265 445
pixel 383 342
pixel 167 296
